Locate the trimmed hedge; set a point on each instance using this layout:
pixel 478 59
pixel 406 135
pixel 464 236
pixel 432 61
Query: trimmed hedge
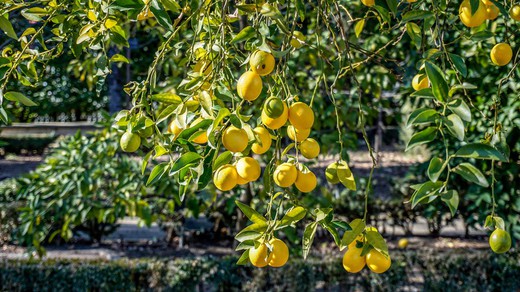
pixel 448 271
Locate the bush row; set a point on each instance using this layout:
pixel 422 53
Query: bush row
pixel 425 270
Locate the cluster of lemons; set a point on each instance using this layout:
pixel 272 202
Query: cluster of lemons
pixel 274 253
pixel 275 114
pixel 354 261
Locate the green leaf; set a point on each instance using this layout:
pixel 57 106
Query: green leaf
pixel 457 87
pixel 332 230
pixel 250 213
pixel 171 5
pixel 300 7
pixel 440 87
pixel 146 158
pixel 451 198
pixel 34 13
pixel 161 15
pixel 184 161
pixel 17 96
pixel 357 226
pixel 459 107
pixel 416 15
pixel 480 151
pixel 426 190
pixel 455 126
pixel 157 172
pixel 459 63
pixel 308 238
pixel 322 213
pixel 377 241
pixel 471 174
pixel 425 136
pixel 425 92
pixel 474 6
pixel 435 168
pixel 345 176
pixel 244 258
pixel 119 58
pixel 292 216
pixel 358 28
pixel 245 34
pixel 422 116
pixel 7 27
pixel 392 5
pixel 224 158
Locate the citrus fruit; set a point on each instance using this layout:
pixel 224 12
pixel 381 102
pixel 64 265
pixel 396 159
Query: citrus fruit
pixel 515 12
pixel 248 168
pixel 301 116
pixel 501 54
pixel 200 137
pixel 145 14
pixel 411 1
pixel 130 142
pixel 264 140
pixel 174 129
pixel 277 123
pixel 203 66
pixel 487 2
pixel 310 148
pixel 469 19
pixel 285 175
pixel 306 182
pixel 235 139
pixel 225 177
pixel 368 2
pixel 249 86
pixel 354 243
pixel 273 107
pixel 403 243
pixel 420 81
pixel 262 63
pixel 280 253
pixel 353 262
pixel 492 12
pixel 377 262
pixel 297 39
pixel 258 255
pixel 241 181
pixel 297 135
pixel 331 173
pixel 500 241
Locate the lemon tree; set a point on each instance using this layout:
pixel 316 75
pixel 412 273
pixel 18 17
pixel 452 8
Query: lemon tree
pixel 240 113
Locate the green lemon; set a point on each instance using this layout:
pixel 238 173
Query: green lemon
pixel 273 107
pixel 500 241
pixel 130 142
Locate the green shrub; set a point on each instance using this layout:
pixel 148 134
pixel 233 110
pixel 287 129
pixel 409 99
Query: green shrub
pixel 31 145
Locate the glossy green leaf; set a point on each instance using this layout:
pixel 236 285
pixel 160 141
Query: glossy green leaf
pixel 245 34
pixel 250 213
pixel 440 87
pixel 7 27
pixel 308 238
pixel 455 126
pixel 184 161
pixel 459 63
pixel 451 198
pixel 292 216
pixel 357 226
pixel 471 174
pixel 425 136
pixel 19 97
pixel 459 107
pixel 422 116
pixel 426 190
pixel 157 172
pixel 480 151
pixel 435 168
pixel 416 15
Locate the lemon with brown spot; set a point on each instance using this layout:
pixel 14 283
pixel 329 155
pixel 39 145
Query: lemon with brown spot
pixel 235 139
pixel 285 175
pixel 262 63
pixel 225 177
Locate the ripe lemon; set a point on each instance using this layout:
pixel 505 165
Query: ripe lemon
pixel 297 135
pixel 411 1
pixel 306 182
pixel 353 262
pixel 492 12
pixel 264 142
pixel 500 241
pixel 202 136
pixel 249 86
pixel 248 168
pixel 273 107
pixel 174 129
pixel 420 81
pixel 368 2
pixel 301 116
pixel 515 12
pixel 297 39
pixel 277 123
pixel 331 173
pixel 235 139
pixel 280 253
pixel 225 177
pixel 501 54
pixel 470 20
pixel 354 243
pixel 258 255
pixel 285 175
pixel 130 142
pixel 203 66
pixel 487 2
pixel 310 148
pixel 377 262
pixel 403 243
pixel 262 63
pixel 145 14
pixel 241 181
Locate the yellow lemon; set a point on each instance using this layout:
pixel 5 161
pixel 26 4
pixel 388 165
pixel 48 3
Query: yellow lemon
pixel 249 86
pixel 241 181
pixel 310 148
pixel 130 142
pixel 277 123
pixel 301 116
pixel 470 20
pixel 359 238
pixel 235 139
pixel 411 1
pixel 297 135
pixel 258 255
pixel 264 140
pixel 225 177
pixel 368 2
pixel 420 81
pixel 353 262
pixel 501 54
pixel 262 63
pixel 201 137
pixel 285 175
pixel 280 253
pixel 174 129
pixel 377 262
pixel 515 12
pixel 306 182
pixel 297 39
pixel 403 243
pixel 492 12
pixel 145 14
pixel 248 168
